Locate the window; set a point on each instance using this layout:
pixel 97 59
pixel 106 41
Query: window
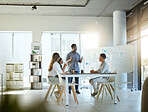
pixel 55 42
pixel 61 43
pixel 144 30
pixel 22 49
pixel 5 51
pixel 144 59
pixel 89 41
pixel 144 53
pixel 137 23
pixel 67 40
pixel 17 47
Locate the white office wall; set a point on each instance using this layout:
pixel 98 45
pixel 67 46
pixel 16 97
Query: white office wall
pixel 37 24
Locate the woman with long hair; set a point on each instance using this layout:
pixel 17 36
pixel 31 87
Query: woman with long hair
pixel 54 67
pixel 55 56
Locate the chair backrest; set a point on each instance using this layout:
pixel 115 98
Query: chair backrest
pixel 111 79
pixel 46 76
pixel 48 81
pixel 60 79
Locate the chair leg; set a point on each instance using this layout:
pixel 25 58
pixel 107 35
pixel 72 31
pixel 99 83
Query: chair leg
pixel 113 91
pixel 60 95
pixel 103 92
pixel 65 93
pixel 58 87
pixel 99 92
pixel 48 92
pixel 109 91
pixel 118 99
pixel 98 85
pixel 53 90
pixel 74 94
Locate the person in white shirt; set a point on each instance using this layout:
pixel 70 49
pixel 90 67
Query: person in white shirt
pixel 55 66
pixel 103 68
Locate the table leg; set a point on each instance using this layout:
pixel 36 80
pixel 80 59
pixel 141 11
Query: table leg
pixel 91 87
pixel 67 96
pixel 115 93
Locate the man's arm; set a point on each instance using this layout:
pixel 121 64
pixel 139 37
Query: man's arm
pixel 100 70
pixel 68 58
pixel 80 59
pixel 92 71
pixel 103 69
pixel 64 67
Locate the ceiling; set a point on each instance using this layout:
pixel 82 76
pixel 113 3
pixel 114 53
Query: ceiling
pixel 93 8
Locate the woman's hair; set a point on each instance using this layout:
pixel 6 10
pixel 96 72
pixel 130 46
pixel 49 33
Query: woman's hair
pixel 55 56
pixel 59 60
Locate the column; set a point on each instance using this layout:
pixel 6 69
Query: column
pixel 119 38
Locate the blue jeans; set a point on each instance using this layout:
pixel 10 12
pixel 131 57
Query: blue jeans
pixel 76 81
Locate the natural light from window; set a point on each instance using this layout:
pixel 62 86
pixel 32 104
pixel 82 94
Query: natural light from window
pixel 144 32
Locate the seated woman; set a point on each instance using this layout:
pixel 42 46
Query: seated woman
pixel 56 66
pixel 60 61
pixel 103 68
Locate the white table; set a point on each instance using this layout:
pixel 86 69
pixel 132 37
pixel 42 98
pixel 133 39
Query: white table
pixel 90 75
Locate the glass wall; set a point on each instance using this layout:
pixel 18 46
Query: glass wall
pixel 15 47
pixel 144 57
pixel 22 49
pixel 137 33
pixel 5 51
pixel 66 41
pixel 135 67
pixel 55 43
pixel 61 43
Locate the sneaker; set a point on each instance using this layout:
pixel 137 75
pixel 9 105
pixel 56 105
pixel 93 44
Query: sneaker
pixel 77 92
pixel 94 94
pixel 69 92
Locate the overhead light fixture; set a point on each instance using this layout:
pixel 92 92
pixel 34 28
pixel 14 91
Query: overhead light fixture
pixel 130 14
pixel 34 7
pixel 145 2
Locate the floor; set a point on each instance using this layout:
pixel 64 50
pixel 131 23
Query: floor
pixel 130 101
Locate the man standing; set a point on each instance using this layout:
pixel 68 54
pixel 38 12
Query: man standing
pixel 73 58
pixel 103 68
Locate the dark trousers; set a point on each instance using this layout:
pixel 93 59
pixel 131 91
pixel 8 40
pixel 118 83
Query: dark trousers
pixel 76 81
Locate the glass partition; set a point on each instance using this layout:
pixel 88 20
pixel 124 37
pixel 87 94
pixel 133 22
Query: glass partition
pixel 5 51
pixel 22 49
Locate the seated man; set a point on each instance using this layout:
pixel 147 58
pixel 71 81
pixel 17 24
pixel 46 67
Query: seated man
pixel 103 68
